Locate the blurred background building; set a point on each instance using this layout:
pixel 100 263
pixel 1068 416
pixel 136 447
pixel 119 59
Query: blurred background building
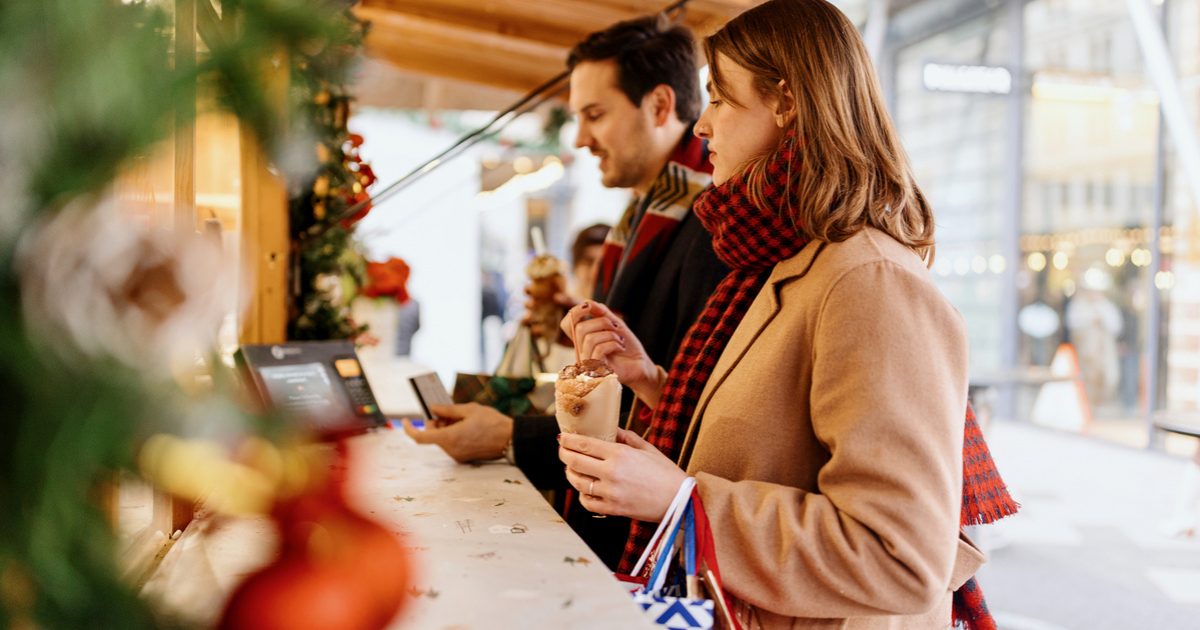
pixel 1035 128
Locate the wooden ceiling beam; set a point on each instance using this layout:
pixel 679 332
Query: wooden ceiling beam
pixel 725 8
pixel 439 64
pixel 464 39
pixel 694 10
pixel 556 22
pixel 472 18
pixel 449 52
pixel 509 44
pixel 577 16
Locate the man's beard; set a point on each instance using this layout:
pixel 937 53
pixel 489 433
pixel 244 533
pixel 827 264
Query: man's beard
pixel 625 175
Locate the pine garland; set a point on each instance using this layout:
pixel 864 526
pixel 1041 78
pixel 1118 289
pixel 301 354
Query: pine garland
pixel 330 268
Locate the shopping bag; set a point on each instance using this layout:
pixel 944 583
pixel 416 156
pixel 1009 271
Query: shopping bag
pixel 517 387
pixel 684 527
pixel 521 356
pixel 511 396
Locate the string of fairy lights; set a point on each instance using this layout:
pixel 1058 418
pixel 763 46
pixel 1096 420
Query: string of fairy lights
pixel 1055 252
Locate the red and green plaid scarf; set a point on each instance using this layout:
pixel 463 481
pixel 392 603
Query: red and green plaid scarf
pixel 751 241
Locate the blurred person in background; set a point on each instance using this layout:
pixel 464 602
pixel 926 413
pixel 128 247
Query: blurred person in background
pixel 586 251
pixel 1095 323
pixel 585 260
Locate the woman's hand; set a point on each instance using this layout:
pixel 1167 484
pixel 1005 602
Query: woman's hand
pixel 628 477
pixel 599 334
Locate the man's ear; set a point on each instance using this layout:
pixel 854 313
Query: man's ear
pixel 785 105
pixel 661 101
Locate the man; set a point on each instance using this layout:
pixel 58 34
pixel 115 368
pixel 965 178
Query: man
pixel 636 93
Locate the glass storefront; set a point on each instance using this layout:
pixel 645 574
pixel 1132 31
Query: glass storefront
pixel 1085 272
pixel 1088 203
pixel 956 142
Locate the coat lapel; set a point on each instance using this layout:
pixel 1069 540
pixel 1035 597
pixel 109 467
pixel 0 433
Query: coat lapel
pixel 762 311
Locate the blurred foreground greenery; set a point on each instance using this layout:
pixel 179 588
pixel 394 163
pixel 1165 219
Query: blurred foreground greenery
pixel 86 86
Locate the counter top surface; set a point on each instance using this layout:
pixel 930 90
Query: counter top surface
pixel 489 551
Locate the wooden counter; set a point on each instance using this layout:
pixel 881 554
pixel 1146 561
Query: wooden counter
pixel 490 552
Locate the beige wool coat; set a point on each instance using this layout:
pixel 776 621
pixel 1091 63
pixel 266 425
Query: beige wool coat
pixel 829 458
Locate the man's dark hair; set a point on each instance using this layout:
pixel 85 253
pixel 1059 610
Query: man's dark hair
pixel 648 52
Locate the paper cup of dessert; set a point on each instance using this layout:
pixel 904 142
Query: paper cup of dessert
pixel 587 399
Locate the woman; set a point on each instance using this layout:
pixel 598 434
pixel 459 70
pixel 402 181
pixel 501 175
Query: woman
pixel 819 398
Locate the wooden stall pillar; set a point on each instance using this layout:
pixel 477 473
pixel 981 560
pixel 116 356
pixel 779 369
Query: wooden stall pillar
pixel 265 241
pixel 168 514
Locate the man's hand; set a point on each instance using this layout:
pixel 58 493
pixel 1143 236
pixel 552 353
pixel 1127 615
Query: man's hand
pixel 560 299
pixel 477 432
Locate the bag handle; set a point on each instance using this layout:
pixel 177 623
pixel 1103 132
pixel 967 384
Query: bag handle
pixel 670 520
pixel 658 576
pixel 535 354
pixel 706 549
pixel 686 513
pixel 689 540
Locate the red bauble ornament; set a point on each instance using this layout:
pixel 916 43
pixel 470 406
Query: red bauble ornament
pixel 336 569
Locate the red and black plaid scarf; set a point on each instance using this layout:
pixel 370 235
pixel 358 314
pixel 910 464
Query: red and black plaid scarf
pixel 751 241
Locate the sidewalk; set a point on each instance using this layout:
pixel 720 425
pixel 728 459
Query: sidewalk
pixel 1085 552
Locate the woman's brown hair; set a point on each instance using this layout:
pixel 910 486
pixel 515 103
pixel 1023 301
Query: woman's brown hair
pixel 852 171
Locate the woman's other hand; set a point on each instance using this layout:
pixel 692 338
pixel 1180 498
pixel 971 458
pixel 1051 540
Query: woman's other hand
pixel 629 477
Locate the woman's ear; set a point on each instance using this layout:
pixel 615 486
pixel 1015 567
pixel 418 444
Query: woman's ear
pixel 785 105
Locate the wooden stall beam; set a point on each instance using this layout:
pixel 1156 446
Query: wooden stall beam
pixel 265 240
pixel 433 48
pixel 471 15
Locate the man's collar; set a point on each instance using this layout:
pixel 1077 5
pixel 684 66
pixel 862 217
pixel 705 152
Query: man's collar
pixel 691 152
